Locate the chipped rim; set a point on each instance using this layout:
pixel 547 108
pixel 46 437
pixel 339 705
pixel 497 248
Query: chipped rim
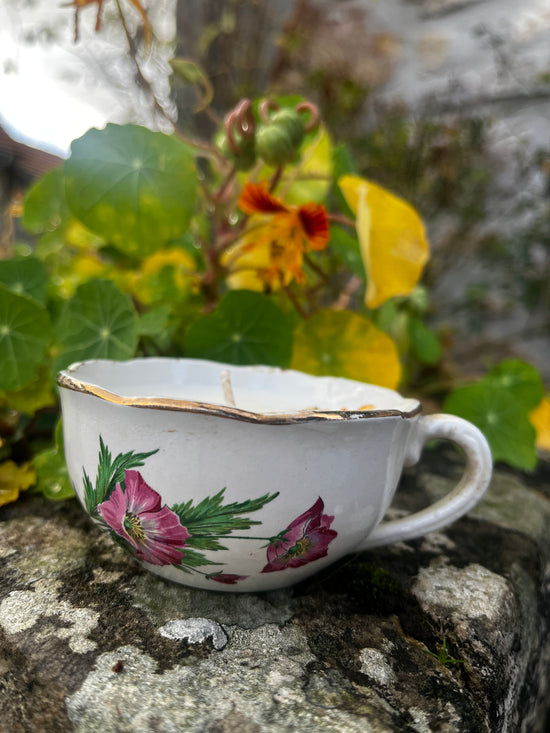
pixel 67 381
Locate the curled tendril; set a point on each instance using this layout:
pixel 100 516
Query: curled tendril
pixel 240 120
pixel 270 105
pixel 266 106
pixel 314 113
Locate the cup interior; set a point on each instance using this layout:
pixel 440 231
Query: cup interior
pixel 255 389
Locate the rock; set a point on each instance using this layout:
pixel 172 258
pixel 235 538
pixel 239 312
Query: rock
pixel 195 630
pixel 445 633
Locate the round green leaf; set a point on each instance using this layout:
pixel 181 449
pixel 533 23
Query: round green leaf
pixel 502 419
pixel 25 275
pixel 25 335
pixel 519 379
pixel 45 206
pixel 98 322
pixel 246 328
pixel 53 477
pixel 134 187
pixel 34 396
pixel 51 468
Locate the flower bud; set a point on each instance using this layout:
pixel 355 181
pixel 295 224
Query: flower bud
pixel 293 123
pixel 245 158
pixel 274 144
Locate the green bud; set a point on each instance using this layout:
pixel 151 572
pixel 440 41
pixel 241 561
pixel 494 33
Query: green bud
pixel 245 158
pixel 274 145
pixel 293 123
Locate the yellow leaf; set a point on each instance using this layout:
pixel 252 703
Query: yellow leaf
pixel 344 344
pixel 540 419
pixel 392 239
pixel 13 479
pixel 166 274
pixel 34 396
pixel 310 180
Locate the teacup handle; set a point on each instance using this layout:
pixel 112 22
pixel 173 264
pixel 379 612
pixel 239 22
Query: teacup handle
pixel 460 500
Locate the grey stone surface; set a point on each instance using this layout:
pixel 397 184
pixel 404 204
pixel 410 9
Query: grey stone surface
pixel 447 633
pixel 195 630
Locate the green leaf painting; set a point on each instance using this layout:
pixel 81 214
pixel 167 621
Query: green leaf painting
pixel 246 328
pixel 134 187
pixel 98 322
pixel 111 472
pixel 25 335
pixel 212 518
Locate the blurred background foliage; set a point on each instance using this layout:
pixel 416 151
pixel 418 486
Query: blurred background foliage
pixel 472 338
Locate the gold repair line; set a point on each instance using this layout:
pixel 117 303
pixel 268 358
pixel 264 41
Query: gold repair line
pixel 232 413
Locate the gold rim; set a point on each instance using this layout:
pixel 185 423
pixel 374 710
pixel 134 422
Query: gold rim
pixel 232 413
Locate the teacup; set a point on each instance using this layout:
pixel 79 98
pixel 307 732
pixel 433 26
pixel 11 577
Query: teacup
pixel 249 478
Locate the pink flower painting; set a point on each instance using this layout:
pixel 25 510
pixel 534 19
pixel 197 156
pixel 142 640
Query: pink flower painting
pixel 154 532
pixel 306 539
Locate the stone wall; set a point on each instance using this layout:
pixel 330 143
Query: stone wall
pixel 448 633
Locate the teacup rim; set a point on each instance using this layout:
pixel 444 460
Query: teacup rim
pixel 66 379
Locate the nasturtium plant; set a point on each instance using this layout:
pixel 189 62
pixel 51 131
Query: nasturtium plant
pixel 166 275
pixel 518 379
pixel 346 247
pixel 272 249
pixel 25 276
pixel 98 322
pixel 25 336
pixel 500 405
pixel 34 396
pixel 246 328
pixel 14 479
pixel 52 475
pixel 501 418
pixel 540 419
pixel 312 179
pixel 345 344
pixel 45 204
pixel 392 238
pixel 424 342
pixel 134 187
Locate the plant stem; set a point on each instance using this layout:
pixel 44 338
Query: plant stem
pixel 295 302
pixel 225 184
pixel 316 269
pixel 276 178
pixel 243 537
pixel 341 219
pixel 351 287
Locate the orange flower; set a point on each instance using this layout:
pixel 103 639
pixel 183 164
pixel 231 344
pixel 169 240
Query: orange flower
pixel 270 252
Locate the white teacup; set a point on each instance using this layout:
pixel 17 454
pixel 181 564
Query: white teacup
pixel 255 496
